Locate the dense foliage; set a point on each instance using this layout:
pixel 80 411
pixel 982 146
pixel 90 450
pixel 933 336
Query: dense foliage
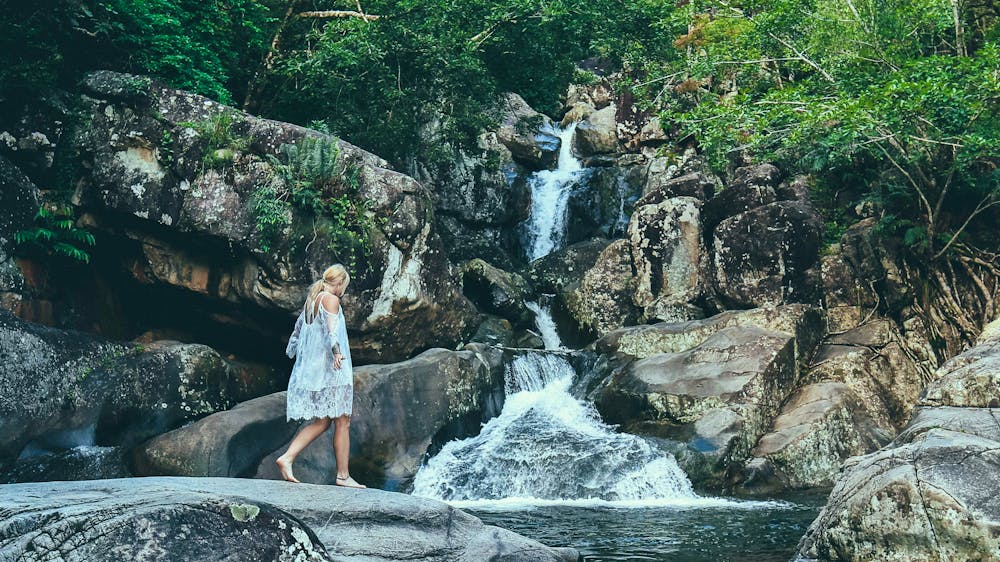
pixel 891 105
pixel 894 105
pixel 211 47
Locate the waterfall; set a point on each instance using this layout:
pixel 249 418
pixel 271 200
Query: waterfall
pixel 545 229
pixel 547 445
pixel 546 326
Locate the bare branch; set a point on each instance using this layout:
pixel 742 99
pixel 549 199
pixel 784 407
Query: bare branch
pixel 322 14
pixel 983 205
pixel 803 57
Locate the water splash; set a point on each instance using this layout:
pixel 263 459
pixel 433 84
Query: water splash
pixel 547 445
pixel 545 229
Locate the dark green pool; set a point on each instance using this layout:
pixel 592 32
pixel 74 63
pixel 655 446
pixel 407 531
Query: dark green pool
pixel 758 532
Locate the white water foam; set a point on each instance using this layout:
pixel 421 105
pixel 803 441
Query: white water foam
pixel 549 448
pixel 546 326
pixel 545 229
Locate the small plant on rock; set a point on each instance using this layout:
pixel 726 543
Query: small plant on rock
pixel 312 177
pixel 56 234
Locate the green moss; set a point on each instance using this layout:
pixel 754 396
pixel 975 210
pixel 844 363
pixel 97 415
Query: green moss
pixel 244 512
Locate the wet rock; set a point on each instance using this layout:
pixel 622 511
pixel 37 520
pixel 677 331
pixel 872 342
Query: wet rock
pixel 602 301
pixel 199 518
pixel 529 135
pixel 598 133
pixel 496 291
pixel 600 204
pixel 494 330
pixel 666 244
pixel 819 427
pixel 63 389
pixel 182 212
pixel 79 463
pixel 766 255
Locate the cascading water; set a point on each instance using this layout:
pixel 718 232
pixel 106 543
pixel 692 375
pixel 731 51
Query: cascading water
pixel 546 326
pixel 547 445
pixel 545 229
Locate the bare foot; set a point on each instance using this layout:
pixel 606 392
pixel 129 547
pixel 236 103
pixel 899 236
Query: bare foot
pixel 349 482
pixel 285 466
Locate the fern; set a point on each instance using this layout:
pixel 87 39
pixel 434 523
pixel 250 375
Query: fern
pixel 55 233
pixel 311 176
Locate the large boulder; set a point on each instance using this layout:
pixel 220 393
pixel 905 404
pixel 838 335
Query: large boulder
pixel 148 519
pixel 715 385
pixel 227 443
pixel 930 494
pixel 926 497
pixel 177 183
pixel 600 203
pixel 750 187
pixel 19 199
pixel 401 412
pixel 481 195
pixel 719 396
pixel 597 133
pixel 496 291
pixel 529 135
pixel 803 322
pixel 666 242
pixel 61 389
pixel 602 301
pixel 871 359
pixel 766 255
pixel 820 426
pixel 971 379
pixel 565 267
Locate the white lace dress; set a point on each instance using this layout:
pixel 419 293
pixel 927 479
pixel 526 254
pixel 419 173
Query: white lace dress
pixel 316 389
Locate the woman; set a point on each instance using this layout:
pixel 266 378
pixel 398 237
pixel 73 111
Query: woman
pixel 321 387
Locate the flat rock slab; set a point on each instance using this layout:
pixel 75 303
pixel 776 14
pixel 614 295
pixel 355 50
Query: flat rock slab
pixel 718 397
pixel 170 518
pixel 802 321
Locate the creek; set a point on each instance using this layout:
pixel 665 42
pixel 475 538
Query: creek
pixel 548 466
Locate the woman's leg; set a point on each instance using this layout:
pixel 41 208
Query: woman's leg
pixel 304 438
pixel 342 450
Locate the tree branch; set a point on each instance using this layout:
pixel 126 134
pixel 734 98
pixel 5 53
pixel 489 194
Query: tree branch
pixel 337 14
pixel 979 209
pixel 804 58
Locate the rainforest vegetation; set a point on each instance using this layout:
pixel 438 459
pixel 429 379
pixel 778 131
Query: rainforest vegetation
pixel 894 105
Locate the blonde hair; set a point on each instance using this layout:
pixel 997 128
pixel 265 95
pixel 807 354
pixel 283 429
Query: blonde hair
pixel 334 277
